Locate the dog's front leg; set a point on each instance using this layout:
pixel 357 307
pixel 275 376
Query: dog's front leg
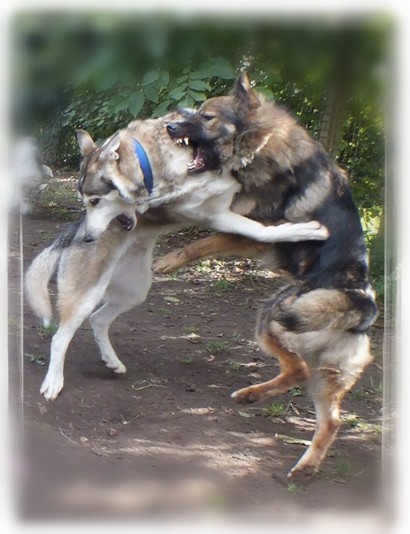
pixel 234 223
pixel 54 380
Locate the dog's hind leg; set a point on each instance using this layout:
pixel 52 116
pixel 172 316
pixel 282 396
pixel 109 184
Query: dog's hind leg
pixel 293 371
pixel 327 391
pixel 333 372
pixel 129 287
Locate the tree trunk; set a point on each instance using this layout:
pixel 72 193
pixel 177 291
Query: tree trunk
pixel 331 125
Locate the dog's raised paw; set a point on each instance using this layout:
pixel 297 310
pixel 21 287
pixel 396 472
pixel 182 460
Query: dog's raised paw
pixel 245 396
pixel 164 266
pixel 160 267
pixel 314 230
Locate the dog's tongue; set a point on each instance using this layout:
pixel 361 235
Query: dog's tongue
pixel 198 163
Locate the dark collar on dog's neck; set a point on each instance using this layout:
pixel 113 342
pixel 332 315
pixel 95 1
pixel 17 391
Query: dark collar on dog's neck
pixel 144 164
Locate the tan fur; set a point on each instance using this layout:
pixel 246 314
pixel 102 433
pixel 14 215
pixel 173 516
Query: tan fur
pixel 305 204
pixel 212 246
pixel 243 205
pixel 75 287
pixel 325 308
pixel 293 371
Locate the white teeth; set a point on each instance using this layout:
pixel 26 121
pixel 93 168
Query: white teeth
pixel 186 140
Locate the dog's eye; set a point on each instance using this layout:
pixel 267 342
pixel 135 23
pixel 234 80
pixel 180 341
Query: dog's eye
pixel 94 201
pixel 207 117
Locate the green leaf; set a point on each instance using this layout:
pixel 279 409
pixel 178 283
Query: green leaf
pixel 199 85
pixel 161 109
pixel 151 93
pixel 121 106
pixel 198 97
pixel 150 77
pixel 178 92
pixel 115 101
pixel 204 72
pixel 182 79
pixel 187 102
pixel 135 103
pixel 163 78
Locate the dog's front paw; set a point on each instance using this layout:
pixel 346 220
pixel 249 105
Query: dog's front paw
pixel 315 230
pixel 246 395
pixel 310 231
pixel 318 230
pixel 115 364
pixel 52 386
pixel 169 263
pixel 302 473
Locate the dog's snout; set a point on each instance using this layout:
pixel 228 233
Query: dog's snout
pixel 172 128
pixel 88 239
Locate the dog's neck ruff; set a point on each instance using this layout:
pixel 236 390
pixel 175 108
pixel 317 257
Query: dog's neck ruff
pixel 144 164
pixel 243 162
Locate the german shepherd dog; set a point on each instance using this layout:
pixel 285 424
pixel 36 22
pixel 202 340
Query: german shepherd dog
pixel 107 256
pixel 316 323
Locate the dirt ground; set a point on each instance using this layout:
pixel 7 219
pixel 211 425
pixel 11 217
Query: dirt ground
pixel 166 437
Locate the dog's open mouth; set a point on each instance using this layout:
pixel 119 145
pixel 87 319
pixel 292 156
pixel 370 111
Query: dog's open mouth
pixel 198 163
pixel 126 222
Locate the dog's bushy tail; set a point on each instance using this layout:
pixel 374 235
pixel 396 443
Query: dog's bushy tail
pixel 329 309
pixel 42 269
pixel 36 282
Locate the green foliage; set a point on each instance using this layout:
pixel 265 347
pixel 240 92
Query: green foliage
pixel 100 71
pixel 276 409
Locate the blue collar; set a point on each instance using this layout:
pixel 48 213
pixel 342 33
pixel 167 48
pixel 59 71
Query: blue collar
pixel 144 164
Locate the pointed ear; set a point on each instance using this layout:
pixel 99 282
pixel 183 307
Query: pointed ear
pixel 110 147
pixel 85 142
pixel 244 93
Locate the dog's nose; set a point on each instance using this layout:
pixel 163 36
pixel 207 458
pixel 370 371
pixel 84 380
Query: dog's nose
pixel 172 127
pixel 88 239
